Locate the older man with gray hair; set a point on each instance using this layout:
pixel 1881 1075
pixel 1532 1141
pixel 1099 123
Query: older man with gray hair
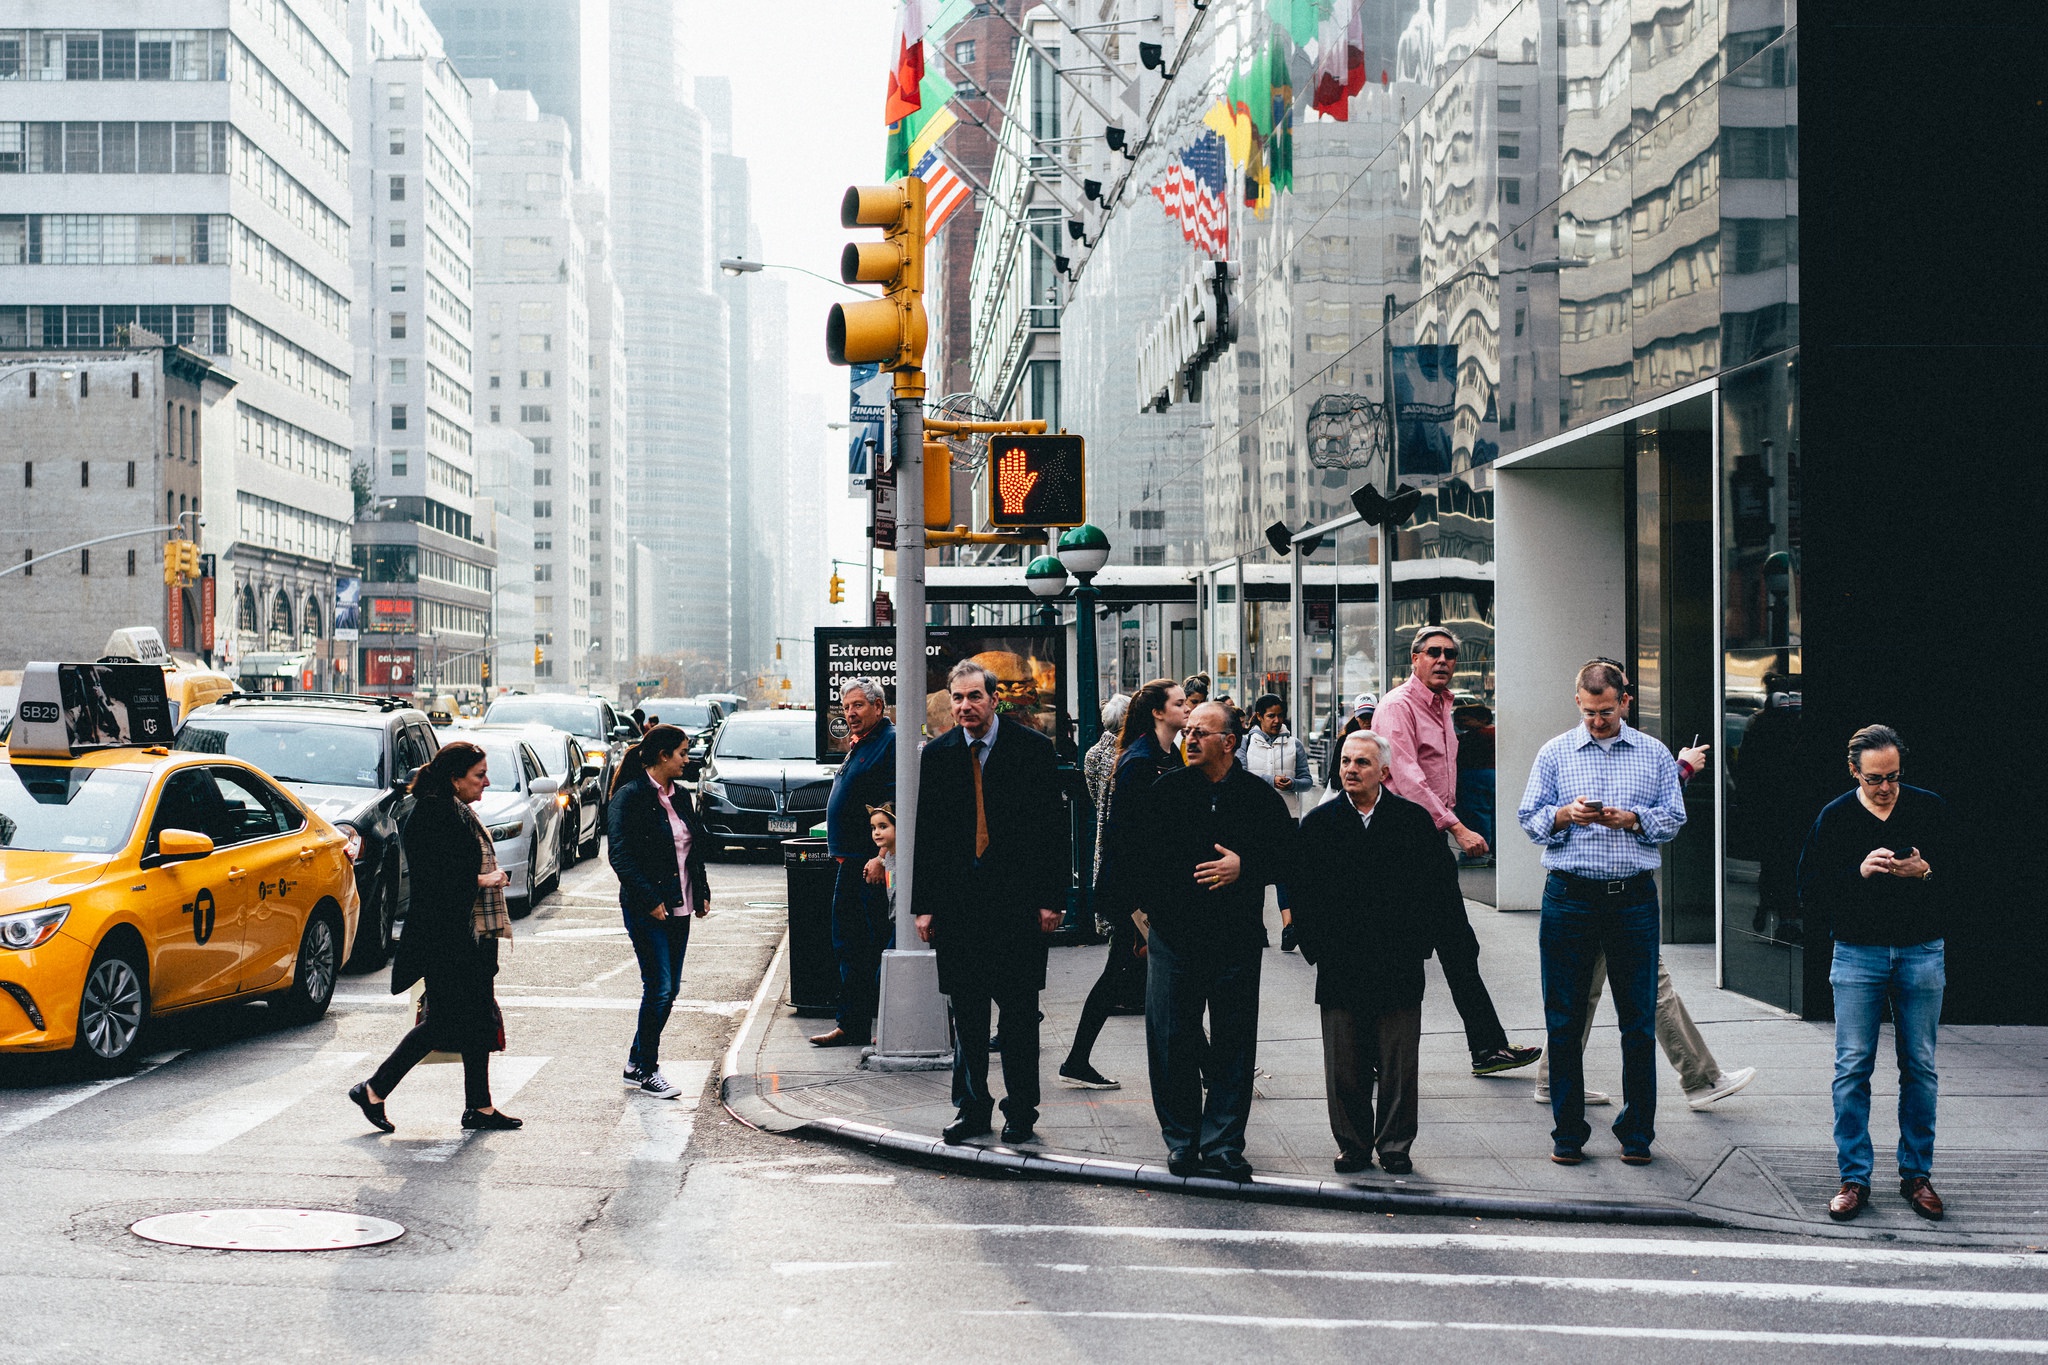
pixel 861 927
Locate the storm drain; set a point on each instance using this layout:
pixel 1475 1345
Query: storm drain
pixel 1984 1189
pixel 268 1229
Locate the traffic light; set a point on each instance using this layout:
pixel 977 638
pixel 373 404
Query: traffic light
pixel 838 596
pixel 487 670
pixel 1037 481
pixel 181 561
pixel 938 486
pixel 887 331
pixel 539 656
pixel 172 561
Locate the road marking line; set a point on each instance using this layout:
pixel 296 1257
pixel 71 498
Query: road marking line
pixel 61 1100
pixel 825 1267
pixel 236 1111
pixel 661 1129
pixel 1839 1253
pixel 1988 1345
pixel 509 1076
pixel 728 1008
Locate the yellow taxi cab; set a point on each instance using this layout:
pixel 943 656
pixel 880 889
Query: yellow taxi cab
pixel 188 683
pixel 136 881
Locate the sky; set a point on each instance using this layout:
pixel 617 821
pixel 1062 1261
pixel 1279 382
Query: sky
pixel 808 78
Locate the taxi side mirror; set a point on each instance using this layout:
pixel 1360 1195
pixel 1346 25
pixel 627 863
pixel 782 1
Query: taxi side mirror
pixel 178 846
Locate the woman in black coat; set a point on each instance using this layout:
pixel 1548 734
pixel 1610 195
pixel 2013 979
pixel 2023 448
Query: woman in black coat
pixel 451 938
pixel 656 843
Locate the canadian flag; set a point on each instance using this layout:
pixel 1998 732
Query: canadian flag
pixel 908 71
pixel 1340 61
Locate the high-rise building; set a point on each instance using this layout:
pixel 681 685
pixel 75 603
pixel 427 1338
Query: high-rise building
pixel 428 576
pixel 556 49
pixel 192 178
pixel 610 658
pixel 533 355
pixel 504 519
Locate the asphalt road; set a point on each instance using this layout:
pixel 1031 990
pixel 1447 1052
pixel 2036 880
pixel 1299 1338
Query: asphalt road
pixel 619 1228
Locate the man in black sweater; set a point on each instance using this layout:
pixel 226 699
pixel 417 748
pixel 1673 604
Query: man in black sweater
pixel 1868 873
pixel 1212 837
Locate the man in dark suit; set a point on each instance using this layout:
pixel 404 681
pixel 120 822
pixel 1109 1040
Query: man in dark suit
pixel 989 880
pixel 1376 887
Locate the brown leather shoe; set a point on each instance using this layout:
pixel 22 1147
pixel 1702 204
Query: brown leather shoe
pixel 1919 1192
pixel 1851 1200
pixel 838 1037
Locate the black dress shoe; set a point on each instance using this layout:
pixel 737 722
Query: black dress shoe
pixel 1232 1167
pixel 1351 1164
pixel 1183 1161
pixel 1017 1133
pixel 373 1110
pixel 478 1121
pixel 966 1126
pixel 1396 1163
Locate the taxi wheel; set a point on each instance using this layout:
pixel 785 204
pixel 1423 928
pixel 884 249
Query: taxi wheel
pixel 312 987
pixel 113 1008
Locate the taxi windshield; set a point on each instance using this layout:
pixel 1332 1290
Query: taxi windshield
pixel 292 750
pixel 61 809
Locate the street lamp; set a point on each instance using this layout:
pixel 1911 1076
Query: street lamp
pixel 1085 549
pixel 1047 579
pixel 740 265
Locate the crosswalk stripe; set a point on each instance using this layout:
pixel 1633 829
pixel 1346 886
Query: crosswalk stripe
pixel 509 1076
pixel 16 1120
pixel 235 1112
pixel 661 1129
pixel 561 1002
pixel 1827 1253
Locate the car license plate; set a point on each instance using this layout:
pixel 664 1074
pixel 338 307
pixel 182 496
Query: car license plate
pixel 781 826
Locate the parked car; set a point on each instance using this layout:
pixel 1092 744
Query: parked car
pixel 580 794
pixel 523 818
pixel 349 759
pixel 602 731
pixel 729 701
pixel 763 782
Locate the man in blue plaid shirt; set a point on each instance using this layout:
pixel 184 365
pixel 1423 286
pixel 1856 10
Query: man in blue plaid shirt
pixel 1600 799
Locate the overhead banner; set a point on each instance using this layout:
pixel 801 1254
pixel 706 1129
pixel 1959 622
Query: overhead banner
pixel 1425 396
pixel 348 608
pixel 867 426
pixel 1029 664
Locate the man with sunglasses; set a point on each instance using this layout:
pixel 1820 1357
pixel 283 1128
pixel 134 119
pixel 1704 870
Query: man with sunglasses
pixel 1422 756
pixel 1868 873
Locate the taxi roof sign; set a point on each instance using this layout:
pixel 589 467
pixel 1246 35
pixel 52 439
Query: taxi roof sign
pixel 65 709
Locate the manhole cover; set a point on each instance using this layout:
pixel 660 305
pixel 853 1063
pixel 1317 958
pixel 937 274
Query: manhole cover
pixel 268 1229
pixel 768 905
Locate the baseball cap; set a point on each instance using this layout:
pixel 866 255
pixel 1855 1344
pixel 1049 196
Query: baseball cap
pixel 1364 701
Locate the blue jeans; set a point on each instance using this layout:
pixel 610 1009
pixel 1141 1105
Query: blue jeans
pixel 1866 977
pixel 1179 985
pixel 659 944
pixel 1576 929
pixel 1475 802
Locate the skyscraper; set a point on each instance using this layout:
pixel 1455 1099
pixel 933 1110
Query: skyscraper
pixel 557 49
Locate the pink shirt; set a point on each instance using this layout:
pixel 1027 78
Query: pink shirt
pixel 681 830
pixel 1416 723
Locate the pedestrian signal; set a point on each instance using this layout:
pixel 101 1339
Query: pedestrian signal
pixel 1037 481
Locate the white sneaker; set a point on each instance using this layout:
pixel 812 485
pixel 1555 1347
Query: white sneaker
pixel 1592 1096
pixel 658 1086
pixel 1731 1081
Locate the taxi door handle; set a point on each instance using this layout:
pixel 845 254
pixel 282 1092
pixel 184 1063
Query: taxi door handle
pixel 307 852
pixel 236 874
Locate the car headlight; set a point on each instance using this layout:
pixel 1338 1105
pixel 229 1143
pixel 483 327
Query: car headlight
pixel 713 789
pixel 31 928
pixel 511 830
pixel 596 755
pixel 563 799
pixel 353 842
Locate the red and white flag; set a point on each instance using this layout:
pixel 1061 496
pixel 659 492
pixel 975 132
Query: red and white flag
pixel 944 192
pixel 907 71
pixel 1194 192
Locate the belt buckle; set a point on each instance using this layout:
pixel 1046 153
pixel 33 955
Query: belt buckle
pixel 1615 888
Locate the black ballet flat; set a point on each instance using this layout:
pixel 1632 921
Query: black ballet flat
pixel 478 1120
pixel 373 1110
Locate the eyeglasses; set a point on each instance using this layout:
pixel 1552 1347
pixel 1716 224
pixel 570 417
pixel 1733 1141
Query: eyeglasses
pixel 1442 652
pixel 1196 736
pixel 1878 779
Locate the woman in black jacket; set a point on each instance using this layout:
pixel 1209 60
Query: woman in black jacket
pixel 656 844
pixel 451 938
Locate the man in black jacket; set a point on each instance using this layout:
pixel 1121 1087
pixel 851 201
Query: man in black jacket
pixel 988 886
pixel 1213 836
pixel 1376 888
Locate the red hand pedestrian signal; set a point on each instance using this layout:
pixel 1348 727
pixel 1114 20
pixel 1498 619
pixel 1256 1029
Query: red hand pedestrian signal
pixel 1014 481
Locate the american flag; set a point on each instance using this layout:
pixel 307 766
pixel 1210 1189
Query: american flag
pixel 944 192
pixel 1195 193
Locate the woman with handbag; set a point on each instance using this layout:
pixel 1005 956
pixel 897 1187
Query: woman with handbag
pixel 451 938
pixel 656 844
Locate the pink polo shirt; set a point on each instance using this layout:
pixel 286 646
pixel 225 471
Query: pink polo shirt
pixel 681 830
pixel 1416 723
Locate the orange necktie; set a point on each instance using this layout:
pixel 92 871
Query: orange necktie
pixel 980 807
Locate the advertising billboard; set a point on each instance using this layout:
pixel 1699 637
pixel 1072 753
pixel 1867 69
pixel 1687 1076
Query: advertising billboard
pixel 64 708
pixel 348 608
pixel 1029 664
pixel 390 667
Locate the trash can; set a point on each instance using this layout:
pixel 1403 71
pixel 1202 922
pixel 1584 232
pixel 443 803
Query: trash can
pixel 813 967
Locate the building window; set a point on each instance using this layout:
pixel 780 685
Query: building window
pixel 542 445
pixel 963 52
pixel 398 371
pixel 497 380
pixel 543 573
pixel 529 412
pixel 398 326
pixel 85 473
pixel 28 474
pixel 494 412
pixel 131 473
pixel 398 279
pixel 543 540
pixel 398 189
pixel 398 465
pixel 398 232
pixel 398 142
pixel 397 101
pixel 543 510
pixel 131 563
pixel 543 478
pixel 28 558
pixel 1510 146
pixel 398 417
pixel 85 563
pixel 1510 190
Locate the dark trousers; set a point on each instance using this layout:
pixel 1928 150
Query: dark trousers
pixel 1020 1055
pixel 1123 971
pixel 659 944
pixel 861 930
pixel 411 1049
pixel 1578 926
pixel 1459 957
pixel 1181 983
pixel 1363 1051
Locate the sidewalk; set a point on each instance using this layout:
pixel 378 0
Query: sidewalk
pixel 1762 1158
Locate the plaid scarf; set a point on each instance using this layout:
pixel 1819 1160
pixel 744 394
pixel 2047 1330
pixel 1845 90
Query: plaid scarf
pixel 488 917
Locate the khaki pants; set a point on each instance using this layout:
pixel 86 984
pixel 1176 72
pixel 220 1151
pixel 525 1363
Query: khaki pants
pixel 1676 1033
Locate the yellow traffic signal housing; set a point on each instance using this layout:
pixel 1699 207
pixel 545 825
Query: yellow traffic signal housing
pixel 172 563
pixel 538 657
pixel 888 331
pixel 938 486
pixel 188 558
pixel 1037 481
pixel 181 562
pixel 838 596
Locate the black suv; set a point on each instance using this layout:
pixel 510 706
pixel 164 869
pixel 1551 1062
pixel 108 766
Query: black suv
pixel 350 758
